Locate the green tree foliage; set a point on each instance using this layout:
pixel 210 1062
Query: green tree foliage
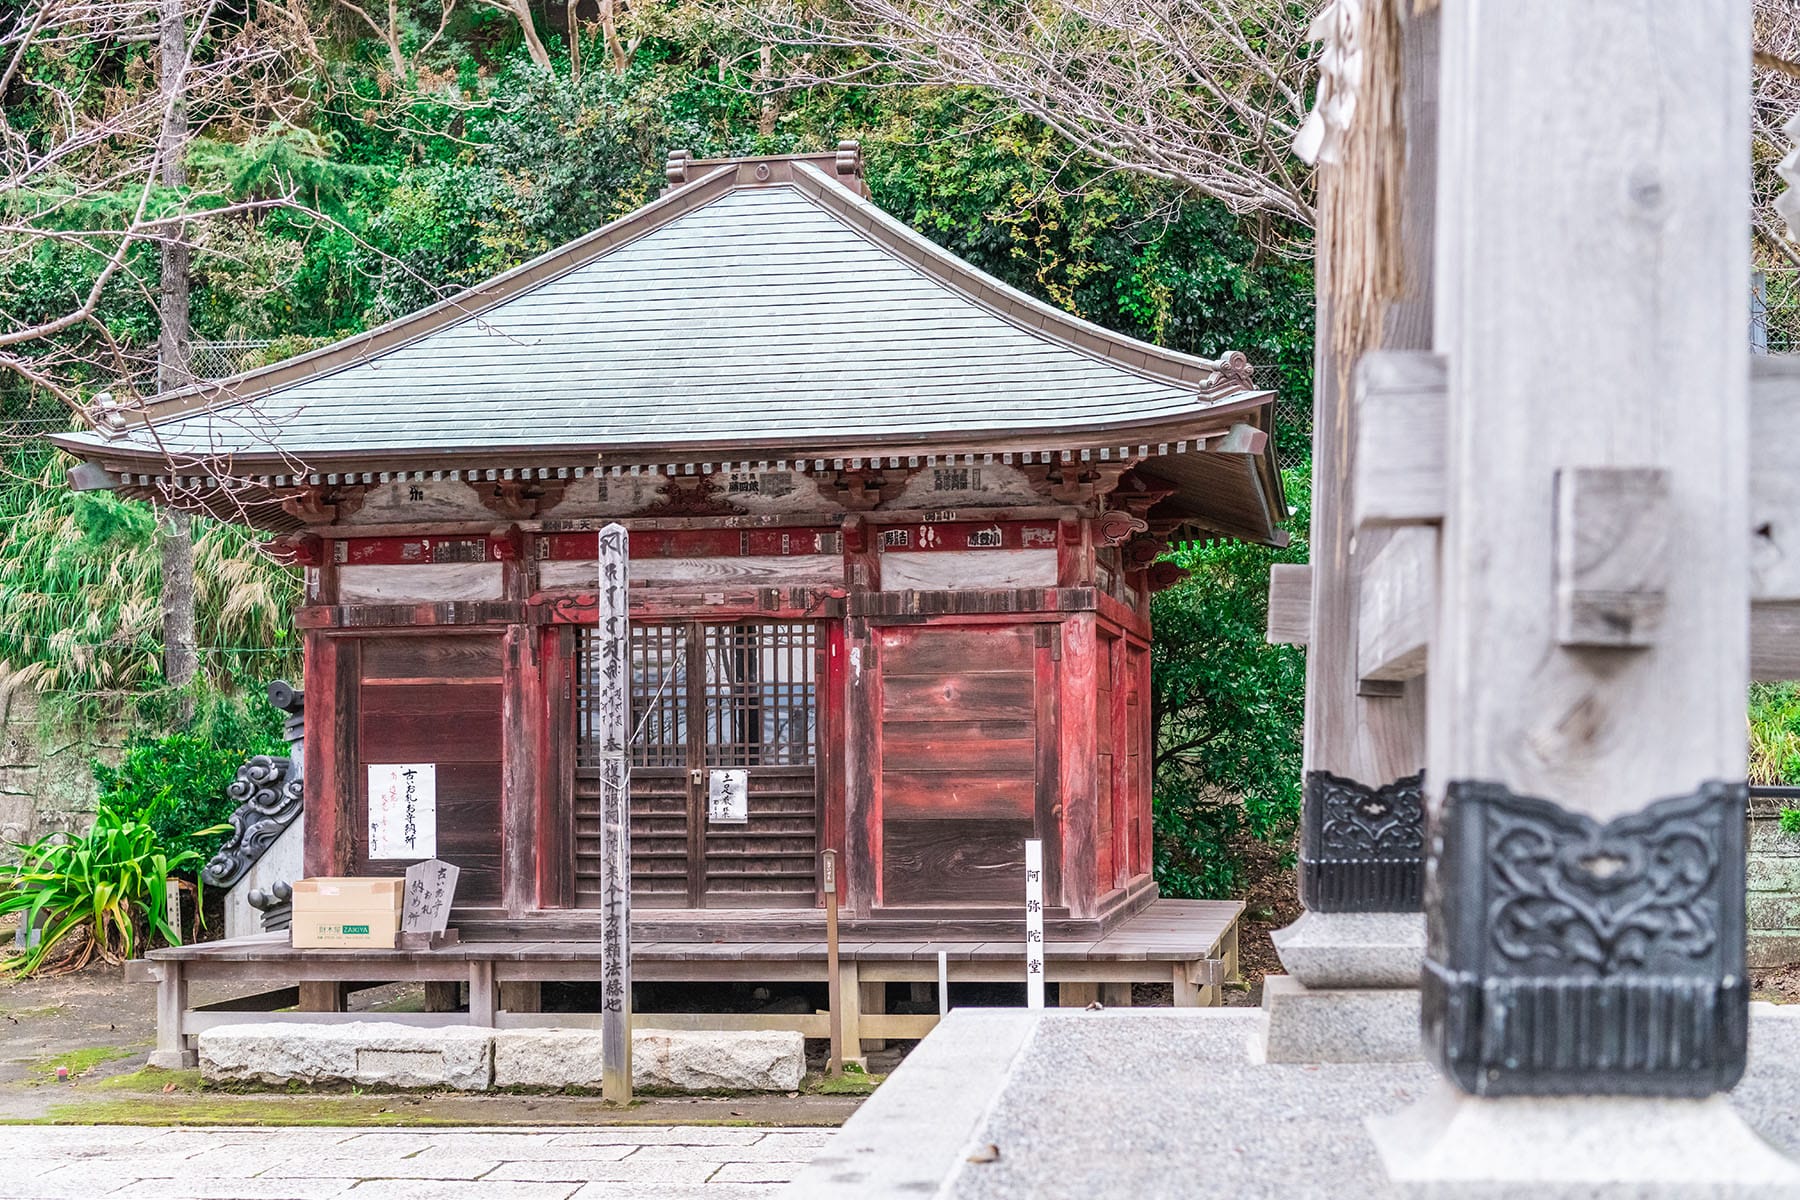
pixel 176 783
pixel 1228 708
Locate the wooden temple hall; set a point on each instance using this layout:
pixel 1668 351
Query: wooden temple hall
pixel 894 531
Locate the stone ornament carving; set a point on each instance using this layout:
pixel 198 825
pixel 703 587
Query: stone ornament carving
pixel 270 791
pixel 1567 955
pixel 1362 848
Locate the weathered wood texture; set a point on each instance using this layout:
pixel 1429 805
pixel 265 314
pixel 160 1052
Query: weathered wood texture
pixel 958 752
pixel 1650 148
pixel 1290 604
pixel 1400 433
pixel 1398 588
pixel 437 699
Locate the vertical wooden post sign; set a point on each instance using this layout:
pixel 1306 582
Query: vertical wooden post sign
pixel 613 679
pixel 833 985
pixel 1034 924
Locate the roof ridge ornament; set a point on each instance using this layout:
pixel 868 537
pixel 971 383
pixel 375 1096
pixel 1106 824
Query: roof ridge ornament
pixel 675 170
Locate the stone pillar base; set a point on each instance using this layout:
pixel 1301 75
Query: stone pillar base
pixel 1455 1145
pixel 1351 993
pixel 1354 950
pixel 1336 1025
pixel 174 1060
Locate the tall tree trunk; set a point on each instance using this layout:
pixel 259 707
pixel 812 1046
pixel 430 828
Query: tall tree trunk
pixel 572 18
pixel 173 351
pixel 765 72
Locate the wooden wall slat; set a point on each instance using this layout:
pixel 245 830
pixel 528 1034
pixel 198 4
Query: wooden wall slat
pixel 944 862
pixel 927 795
pixel 972 697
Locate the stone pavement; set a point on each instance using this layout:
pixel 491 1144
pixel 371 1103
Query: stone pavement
pixel 1148 1104
pixel 600 1162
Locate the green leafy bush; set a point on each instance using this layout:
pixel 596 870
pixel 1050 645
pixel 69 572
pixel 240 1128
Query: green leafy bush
pixel 175 784
pixel 1229 708
pixel 1790 821
pixel 111 884
pixel 1775 734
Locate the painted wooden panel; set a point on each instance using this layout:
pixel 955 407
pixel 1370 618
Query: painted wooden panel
pixel 431 659
pixel 960 746
pixel 403 584
pixel 957 794
pixel 946 650
pixel 436 699
pixel 956 569
pixel 953 862
pixel 809 570
pixel 959 761
pixel 997 696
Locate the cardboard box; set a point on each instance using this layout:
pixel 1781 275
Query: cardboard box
pixel 357 914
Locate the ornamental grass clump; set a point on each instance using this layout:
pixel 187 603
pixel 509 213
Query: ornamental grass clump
pixel 100 895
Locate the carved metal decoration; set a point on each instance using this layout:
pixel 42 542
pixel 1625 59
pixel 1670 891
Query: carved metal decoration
pixel 1570 956
pixel 270 791
pixel 1362 849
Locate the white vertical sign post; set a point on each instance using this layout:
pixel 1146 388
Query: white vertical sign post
pixel 943 984
pixel 1034 924
pixel 612 680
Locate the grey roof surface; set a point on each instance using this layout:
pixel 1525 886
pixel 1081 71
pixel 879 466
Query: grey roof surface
pixel 764 313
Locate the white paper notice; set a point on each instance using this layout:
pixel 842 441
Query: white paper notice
pixel 728 797
pixel 402 810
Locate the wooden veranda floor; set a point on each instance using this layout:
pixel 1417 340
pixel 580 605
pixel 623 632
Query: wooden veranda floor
pixel 1189 944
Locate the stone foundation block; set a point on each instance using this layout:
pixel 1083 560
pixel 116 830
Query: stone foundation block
pixel 701 1061
pixel 1354 950
pixel 1307 1025
pixel 364 1052
pixel 549 1058
pixel 1453 1145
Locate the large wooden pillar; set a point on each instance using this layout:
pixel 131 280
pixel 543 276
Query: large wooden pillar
pixel 1591 654
pixel 1362 826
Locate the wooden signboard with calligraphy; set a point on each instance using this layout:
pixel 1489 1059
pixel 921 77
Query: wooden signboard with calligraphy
pixel 613 694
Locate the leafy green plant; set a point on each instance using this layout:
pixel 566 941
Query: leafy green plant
pixel 1228 708
pixel 1774 734
pixel 176 783
pixel 1790 821
pixel 111 884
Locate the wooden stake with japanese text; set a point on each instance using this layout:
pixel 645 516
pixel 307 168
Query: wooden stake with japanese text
pixel 833 985
pixel 1034 923
pixel 613 680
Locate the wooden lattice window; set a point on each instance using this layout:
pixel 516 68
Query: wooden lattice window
pixel 759 695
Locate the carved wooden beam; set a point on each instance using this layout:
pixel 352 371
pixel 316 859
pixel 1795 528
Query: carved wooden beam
pixel 864 488
pixel 323 503
pixel 520 499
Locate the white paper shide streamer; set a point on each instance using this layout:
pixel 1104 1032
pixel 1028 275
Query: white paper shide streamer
pixel 1321 138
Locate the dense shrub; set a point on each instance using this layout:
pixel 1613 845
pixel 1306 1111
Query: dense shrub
pixel 175 784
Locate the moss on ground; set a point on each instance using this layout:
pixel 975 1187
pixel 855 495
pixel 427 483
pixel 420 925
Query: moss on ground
pixel 225 1109
pixel 79 1062
pixel 850 1083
